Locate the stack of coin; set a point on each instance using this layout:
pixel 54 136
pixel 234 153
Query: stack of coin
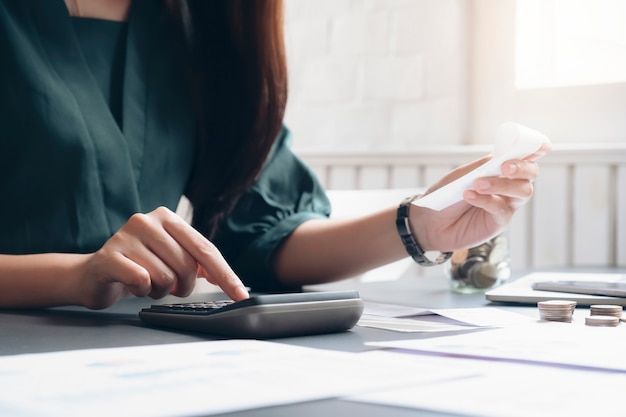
pixel 602 321
pixel 606 310
pixel 604 315
pixel 480 267
pixel 556 310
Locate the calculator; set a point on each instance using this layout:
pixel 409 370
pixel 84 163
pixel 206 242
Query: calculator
pixel 262 316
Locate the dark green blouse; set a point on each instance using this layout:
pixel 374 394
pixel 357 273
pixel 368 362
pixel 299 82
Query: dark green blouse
pixel 103 46
pixel 82 149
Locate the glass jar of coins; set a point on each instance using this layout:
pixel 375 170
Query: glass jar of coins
pixel 480 268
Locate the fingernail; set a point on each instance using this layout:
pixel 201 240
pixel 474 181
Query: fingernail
pixel 482 184
pixel 512 168
pixel 242 293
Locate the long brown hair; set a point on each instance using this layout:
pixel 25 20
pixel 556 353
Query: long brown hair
pixel 239 87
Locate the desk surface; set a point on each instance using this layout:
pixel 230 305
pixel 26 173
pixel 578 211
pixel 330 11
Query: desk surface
pixel 35 331
pixel 77 328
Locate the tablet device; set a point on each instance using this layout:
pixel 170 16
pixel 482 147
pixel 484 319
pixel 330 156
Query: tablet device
pixel 262 316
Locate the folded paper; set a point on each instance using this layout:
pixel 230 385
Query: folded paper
pixel 513 141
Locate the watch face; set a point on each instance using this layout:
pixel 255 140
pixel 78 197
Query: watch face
pixel 441 258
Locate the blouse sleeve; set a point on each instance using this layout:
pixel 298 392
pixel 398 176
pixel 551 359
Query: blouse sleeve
pixel 285 195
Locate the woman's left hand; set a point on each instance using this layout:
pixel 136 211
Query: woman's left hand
pixel 484 212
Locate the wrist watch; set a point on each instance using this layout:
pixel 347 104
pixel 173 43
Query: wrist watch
pixel 408 238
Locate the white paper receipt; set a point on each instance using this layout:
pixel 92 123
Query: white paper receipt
pixel 513 141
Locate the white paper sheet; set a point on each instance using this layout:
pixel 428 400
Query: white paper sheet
pixel 511 390
pixel 412 325
pixel 548 343
pixel 421 320
pixel 513 141
pixel 485 316
pixel 393 310
pixel 191 379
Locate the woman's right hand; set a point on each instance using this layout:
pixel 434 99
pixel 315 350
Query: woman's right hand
pixel 154 254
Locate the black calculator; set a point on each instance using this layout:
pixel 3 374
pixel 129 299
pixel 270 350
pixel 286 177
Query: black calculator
pixel 263 316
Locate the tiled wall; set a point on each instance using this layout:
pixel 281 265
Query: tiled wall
pixel 368 75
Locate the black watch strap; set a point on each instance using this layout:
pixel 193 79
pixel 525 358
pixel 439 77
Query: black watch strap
pixel 408 238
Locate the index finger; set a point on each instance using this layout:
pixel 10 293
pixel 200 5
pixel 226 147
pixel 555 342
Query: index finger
pixel 208 257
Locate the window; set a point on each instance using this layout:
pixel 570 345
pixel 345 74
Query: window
pixel 558 66
pixel 569 42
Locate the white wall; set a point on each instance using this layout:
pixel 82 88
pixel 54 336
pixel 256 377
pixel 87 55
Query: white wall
pixel 376 75
pixel 396 75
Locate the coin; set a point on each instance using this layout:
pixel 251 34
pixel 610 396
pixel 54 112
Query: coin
pixel 481 251
pixel 483 275
pixel 557 304
pixel 556 310
pixel 606 310
pixel 480 267
pixel 602 321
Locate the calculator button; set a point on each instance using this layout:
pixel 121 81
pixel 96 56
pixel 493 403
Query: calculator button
pixel 193 307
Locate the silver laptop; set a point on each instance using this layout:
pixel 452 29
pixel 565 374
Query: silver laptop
pixel 584 288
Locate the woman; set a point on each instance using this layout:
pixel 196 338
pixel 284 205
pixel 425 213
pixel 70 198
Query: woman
pixel 111 109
